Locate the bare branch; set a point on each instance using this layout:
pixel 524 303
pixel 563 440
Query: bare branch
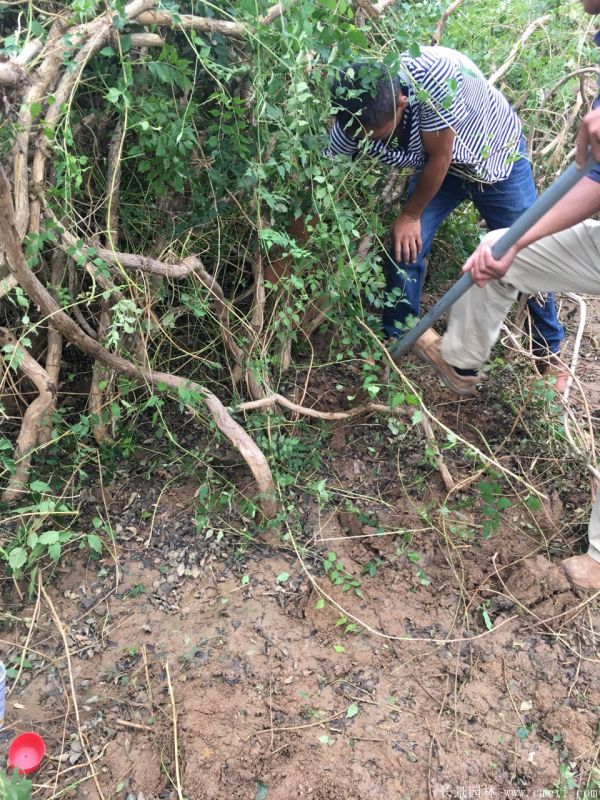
pixel 7 285
pixel 32 419
pixel 565 78
pixel 537 23
pixel 38 293
pixel 191 22
pixel 95 35
pixel 367 7
pixel 146 40
pixel 381 6
pixel 31 49
pixel 273 13
pixel 277 399
pixel 209 25
pixel 444 19
pixel 54 348
pixel 44 75
pixel 11 73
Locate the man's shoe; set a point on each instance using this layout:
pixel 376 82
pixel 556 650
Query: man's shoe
pixel 583 573
pixel 428 349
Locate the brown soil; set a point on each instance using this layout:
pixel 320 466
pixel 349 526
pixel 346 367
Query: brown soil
pixel 464 666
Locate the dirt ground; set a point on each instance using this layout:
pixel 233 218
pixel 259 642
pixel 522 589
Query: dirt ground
pixel 447 663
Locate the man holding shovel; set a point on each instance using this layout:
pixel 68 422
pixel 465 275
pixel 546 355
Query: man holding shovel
pixel 436 113
pixel 560 252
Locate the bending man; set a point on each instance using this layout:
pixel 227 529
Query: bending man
pixel 438 115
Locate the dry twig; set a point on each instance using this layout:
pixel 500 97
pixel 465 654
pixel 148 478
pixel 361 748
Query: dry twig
pixel 175 734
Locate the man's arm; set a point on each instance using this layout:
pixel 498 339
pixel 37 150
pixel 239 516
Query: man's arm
pixel 588 137
pixel 406 230
pixel 577 205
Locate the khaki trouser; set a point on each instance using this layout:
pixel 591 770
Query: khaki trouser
pixel 568 261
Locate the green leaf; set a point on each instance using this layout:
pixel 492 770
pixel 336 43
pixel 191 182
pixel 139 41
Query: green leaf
pixel 261 791
pixel 320 603
pixel 54 551
pixel 357 37
pixel 17 558
pixel 486 618
pixel 114 95
pixel 49 537
pixel 283 577
pixel 339 648
pixel 533 503
pixel 39 486
pixel 94 542
pixel 352 710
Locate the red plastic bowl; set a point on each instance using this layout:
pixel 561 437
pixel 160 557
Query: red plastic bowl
pixel 26 752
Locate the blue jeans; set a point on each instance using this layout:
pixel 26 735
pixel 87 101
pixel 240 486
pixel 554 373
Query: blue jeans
pixel 499 204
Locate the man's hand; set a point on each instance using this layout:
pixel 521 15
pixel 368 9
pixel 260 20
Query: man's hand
pixel 588 138
pixel 406 236
pixel 483 266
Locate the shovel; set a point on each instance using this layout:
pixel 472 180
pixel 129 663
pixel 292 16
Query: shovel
pixel 528 218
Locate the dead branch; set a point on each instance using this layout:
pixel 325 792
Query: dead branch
pixel 367 7
pixel 274 399
pixel 537 23
pixel 317 315
pixel 146 40
pixel 565 78
pixel 558 140
pixel 443 20
pixel 381 6
pixel 32 419
pixel 45 73
pixel 273 13
pixel 54 349
pixel 95 403
pixel 75 309
pixel 205 24
pixel 11 73
pixel 95 35
pixel 39 295
pixel 96 396
pixel 189 265
pixel 7 285
pixel 191 22
pixel 441 465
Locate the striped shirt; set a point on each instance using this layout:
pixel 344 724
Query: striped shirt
pixel 446 90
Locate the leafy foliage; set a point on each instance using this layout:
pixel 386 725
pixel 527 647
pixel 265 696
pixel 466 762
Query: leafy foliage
pixel 219 145
pixel 14 787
